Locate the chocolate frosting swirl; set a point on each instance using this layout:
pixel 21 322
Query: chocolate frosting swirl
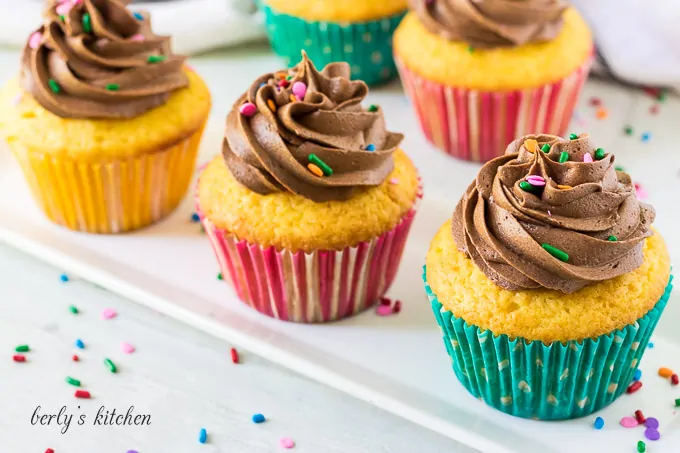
pixel 587 209
pixel 95 59
pixel 487 24
pixel 269 151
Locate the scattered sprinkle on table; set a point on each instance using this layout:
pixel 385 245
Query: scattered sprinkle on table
pixel 599 423
pixel 219 276
pixel 258 418
pixel 19 358
pixel 195 218
pixel 640 417
pixel 652 434
pixel 677 402
pixel 652 422
pixel 132 451
pixel 83 394
pixel 72 381
pixel 64 278
pixel 641 447
pixel 634 387
pixel 601 113
pixel 49 450
pixel 109 313
pixel 628 422
pixel 595 102
pixel 79 344
pixel 110 365
pixel 75 358
pixel 234 355
pixel 383 310
pixel 675 380
pixel 628 130
pixel 646 136
pixel 665 372
pixel 397 307
pixel 385 301
pixel 22 348
pixel 127 348
pixel 287 442
pixel 638 375
pixel 202 436
pixel 73 309
pixel 650 345
pixel 654 109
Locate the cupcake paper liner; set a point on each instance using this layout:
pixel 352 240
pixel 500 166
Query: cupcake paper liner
pixel 477 125
pixel 110 196
pixel 555 381
pixel 366 46
pixel 320 286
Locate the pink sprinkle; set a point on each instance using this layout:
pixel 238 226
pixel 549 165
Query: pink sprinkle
pixel 629 422
pixel 299 90
pixel 394 181
pixel 102 42
pixel 127 348
pixel 536 180
pixel 549 213
pixel 247 109
pixel 587 158
pixel 640 191
pixel 64 7
pixel 383 310
pixel 287 442
pixel 35 40
pixel 109 313
pixel 138 37
pixel 17 99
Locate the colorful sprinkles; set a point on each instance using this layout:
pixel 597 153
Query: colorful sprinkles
pixel 555 252
pixel 83 394
pixel 314 159
pixel 634 387
pixel 72 381
pixel 665 372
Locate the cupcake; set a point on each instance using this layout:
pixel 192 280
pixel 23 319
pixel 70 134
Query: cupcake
pixel 356 31
pixel 481 73
pixel 549 280
pixel 310 203
pixel 104 119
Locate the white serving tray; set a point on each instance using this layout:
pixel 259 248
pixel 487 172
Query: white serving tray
pixel 397 363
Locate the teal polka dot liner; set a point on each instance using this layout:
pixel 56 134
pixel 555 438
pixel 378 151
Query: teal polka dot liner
pixel 366 46
pixel 545 381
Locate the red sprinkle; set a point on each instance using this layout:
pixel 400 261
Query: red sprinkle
pixel 234 355
pixel 75 358
pixel 49 450
pixel 82 394
pixel 19 358
pixel 675 380
pixel 385 301
pixel 654 109
pixel 595 102
pixel 634 387
pixel 397 307
pixel 639 416
pixel 283 83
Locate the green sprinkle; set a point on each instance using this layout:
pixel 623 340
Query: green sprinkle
pixel 612 239
pixel 619 168
pixel 573 136
pixel 156 58
pixel 663 95
pixel 641 447
pixel 73 382
pixel 220 276
pixel 557 253
pixel 525 186
pixel 628 130
pixel 599 154
pixel 564 156
pixel 22 348
pixel 110 365
pixel 321 164
pixel 62 18
pixel 373 108
pixel 54 86
pixel 87 23
pixel 677 402
pixel 545 148
pixel 73 309
pixel 470 49
pixel 290 77
pixel 113 87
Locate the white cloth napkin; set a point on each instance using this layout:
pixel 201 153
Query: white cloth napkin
pixel 195 25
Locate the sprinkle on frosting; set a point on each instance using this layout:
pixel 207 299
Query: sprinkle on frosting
pixel 96 46
pixel 595 229
pixel 492 23
pixel 271 149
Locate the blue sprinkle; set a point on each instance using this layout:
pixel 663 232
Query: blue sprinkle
pixel 638 375
pixel 262 84
pixel 599 423
pixel 80 344
pixel 370 147
pixel 195 217
pixel 138 16
pixel 650 345
pixel 258 418
pixel 64 278
pixel 203 436
pixel 646 136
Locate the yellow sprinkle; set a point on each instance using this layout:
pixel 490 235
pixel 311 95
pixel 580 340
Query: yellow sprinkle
pixel 293 98
pixel 272 105
pixel 314 169
pixel 560 186
pixel 531 145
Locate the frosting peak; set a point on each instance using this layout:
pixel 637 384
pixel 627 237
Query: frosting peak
pixel 293 118
pixel 487 24
pixel 552 213
pixel 96 59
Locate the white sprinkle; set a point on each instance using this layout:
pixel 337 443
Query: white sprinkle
pixel 17 99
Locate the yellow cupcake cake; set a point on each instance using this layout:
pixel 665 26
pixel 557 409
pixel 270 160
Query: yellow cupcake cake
pixel 549 279
pixel 309 206
pixel 104 119
pixel 482 73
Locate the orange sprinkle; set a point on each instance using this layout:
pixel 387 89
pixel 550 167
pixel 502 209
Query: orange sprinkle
pixel 281 75
pixel 665 372
pixel 293 98
pixel 314 169
pixel 272 105
pixel 531 145
pixel 601 113
pixel 563 187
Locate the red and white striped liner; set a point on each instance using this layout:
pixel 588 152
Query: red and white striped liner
pixel 478 125
pixel 322 286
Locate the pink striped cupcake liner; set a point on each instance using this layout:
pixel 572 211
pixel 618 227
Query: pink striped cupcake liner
pixel 321 286
pixel 477 125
